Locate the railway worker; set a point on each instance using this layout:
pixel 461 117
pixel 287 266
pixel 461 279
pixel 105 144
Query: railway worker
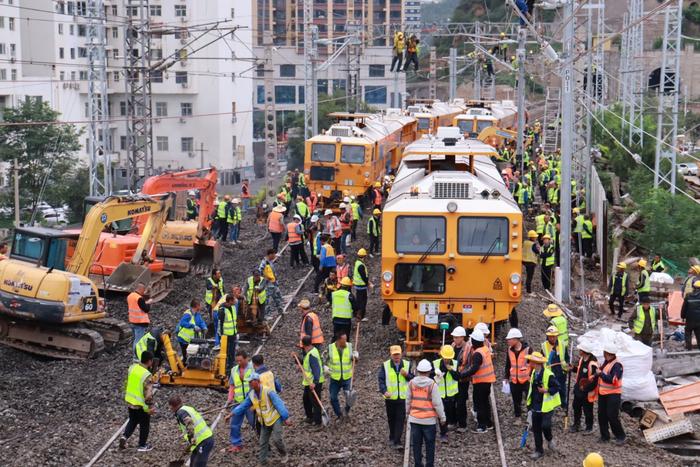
pixel 412 53
pixel 4 250
pixel 295 183
pixel 619 285
pixel 275 225
pixel 553 194
pixel 286 190
pixel 238 388
pixel 531 250
pixel 295 237
pixel 326 260
pixel 693 275
pixel 540 222
pixel 644 281
pixel 267 377
pixel 312 200
pixel 462 356
pixel 214 286
pixel 557 359
pixel 585 393
pixel 657 264
pixel 345 225
pixel 139 305
pixel 221 227
pixel 484 328
pixel 609 377
pixel 340 366
pixel 482 376
pixel 446 376
pixel 547 260
pixel 303 211
pixel 235 216
pixel 425 409
pixel 191 324
pixel 267 270
pixel 343 306
pixel 393 377
pixel 303 188
pixel 245 194
pixel 152 341
pixel 279 200
pixel 517 371
pixel 397 51
pixel 587 236
pixel 377 197
pixel 330 285
pixel 228 326
pixel 332 228
pixel 356 215
pixel 312 381
pixel 314 236
pixel 139 401
pixel 342 268
pixel 374 230
pixel 578 229
pixel 542 398
pixel 198 435
pixel 558 320
pixel 191 206
pixel 360 280
pixel 643 321
pixel 271 415
pixel 310 325
pixel 255 283
pixel 690 312
pixel 524 198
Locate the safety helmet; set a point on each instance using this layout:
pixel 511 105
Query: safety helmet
pixel 314 218
pixel 236 201
pixel 536 357
pixel 593 460
pixel 343 206
pixel 642 263
pixel 552 331
pixel 424 366
pixel 346 199
pixel 377 185
pixel 585 346
pixel 514 333
pixel 546 237
pixel 532 234
pixel 447 351
pixel 361 252
pixel 304 304
pixel 610 348
pixel 477 335
pixel 622 265
pixel 328 212
pixel 458 332
pixel 696 269
pixel 483 327
pixel 346 281
pixel 376 212
pixel 576 210
pixel 696 284
pixel 552 310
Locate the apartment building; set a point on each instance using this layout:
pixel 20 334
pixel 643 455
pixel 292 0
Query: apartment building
pixel 412 12
pixel 202 105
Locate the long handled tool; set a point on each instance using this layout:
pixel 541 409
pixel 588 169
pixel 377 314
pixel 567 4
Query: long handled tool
pixel 325 419
pixel 351 394
pixel 568 379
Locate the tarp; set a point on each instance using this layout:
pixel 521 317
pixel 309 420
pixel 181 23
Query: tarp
pixel 675 303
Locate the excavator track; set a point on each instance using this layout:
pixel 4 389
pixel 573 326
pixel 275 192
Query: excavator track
pixel 72 342
pixel 113 331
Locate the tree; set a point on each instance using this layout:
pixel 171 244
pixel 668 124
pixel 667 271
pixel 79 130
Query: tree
pixel 43 150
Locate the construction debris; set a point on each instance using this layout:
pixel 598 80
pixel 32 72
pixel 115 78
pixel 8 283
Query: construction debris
pixel 683 399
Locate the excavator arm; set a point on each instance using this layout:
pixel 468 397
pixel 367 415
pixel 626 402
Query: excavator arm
pixel 117 208
pixel 495 136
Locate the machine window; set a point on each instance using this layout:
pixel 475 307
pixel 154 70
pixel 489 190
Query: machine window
pixel 420 235
pixel 483 124
pixel 424 124
pixel 420 278
pixel 465 126
pixel 352 154
pixel 482 235
pixel 28 246
pixel 323 152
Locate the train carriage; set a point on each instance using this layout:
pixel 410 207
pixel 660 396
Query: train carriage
pixel 485 114
pixel 451 242
pixel 432 114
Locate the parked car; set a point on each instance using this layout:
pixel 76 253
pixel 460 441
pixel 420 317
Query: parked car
pixel 688 168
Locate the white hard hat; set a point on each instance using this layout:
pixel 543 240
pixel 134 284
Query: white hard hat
pixel 477 335
pixel 328 212
pixel 610 347
pixel 314 218
pixel 514 333
pixel 342 206
pixel 585 346
pixel 483 327
pixel 346 199
pixel 459 332
pixel 424 366
pixel 297 216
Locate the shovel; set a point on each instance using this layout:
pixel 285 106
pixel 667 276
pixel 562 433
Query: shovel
pixel 351 394
pixel 180 461
pixel 325 419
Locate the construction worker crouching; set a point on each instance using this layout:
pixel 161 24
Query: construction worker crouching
pixel 585 392
pixel 313 381
pixel 619 285
pixel 393 377
pixel 517 370
pixel 609 379
pixel 341 358
pixel 139 400
pixel 446 376
pixel 557 359
pixel 310 325
pixel 424 407
pixel 191 324
pixel 255 293
pixel 238 388
pixel 152 342
pixel 542 398
pixel 343 305
pixel 194 428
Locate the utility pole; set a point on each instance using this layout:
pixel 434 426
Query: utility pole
pixel 354 29
pixel 453 73
pixel 432 83
pixel 635 71
pixel 15 171
pixel 271 164
pixel 201 152
pixel 567 150
pixel 98 129
pixel 310 85
pixel 477 64
pixel 520 54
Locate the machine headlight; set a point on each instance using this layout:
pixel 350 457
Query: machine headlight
pixel 387 276
pixel 452 206
pixel 515 278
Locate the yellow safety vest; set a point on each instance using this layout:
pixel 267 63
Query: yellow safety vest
pixel 267 414
pixel 209 295
pixel 562 326
pixel 309 377
pixel 138 374
pixel 528 254
pixel 201 429
pixel 356 278
pixel 587 230
pixel 449 386
pixel 641 318
pixel 396 384
pixel 340 364
pixel 262 295
pixel 623 288
pixel 355 210
pixel 240 387
pixel 549 401
pixel 187 334
pixel 644 281
pixel 230 321
pixel 142 345
pixel 340 303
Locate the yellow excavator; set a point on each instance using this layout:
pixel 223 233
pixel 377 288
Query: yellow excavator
pixel 48 304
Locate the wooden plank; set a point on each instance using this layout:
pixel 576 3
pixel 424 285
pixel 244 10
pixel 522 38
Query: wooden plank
pixel 682 399
pixel 675 302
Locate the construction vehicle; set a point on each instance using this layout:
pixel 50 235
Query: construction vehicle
pixel 186 245
pixel 205 366
pixel 48 304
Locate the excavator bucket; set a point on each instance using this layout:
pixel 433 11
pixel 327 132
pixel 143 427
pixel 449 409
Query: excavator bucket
pixel 127 275
pixel 207 256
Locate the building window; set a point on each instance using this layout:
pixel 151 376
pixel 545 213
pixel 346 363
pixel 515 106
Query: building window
pixel 186 109
pixel 82 30
pixel 187 144
pixel 233 109
pixel 288 71
pixel 13 74
pixel 115 33
pixel 72 53
pixel 60 28
pixel 181 10
pixel 3 48
pixel 122 143
pixel 13 50
pixel 260 71
pixel 81 8
pixel 11 23
pixel 156 10
pixel 115 12
pixel 3 74
pixel 375 94
pixel 157 76
pixel 82 52
pixel 161 109
pixel 233 12
pixel 376 71
pixel 132 11
pixel 122 108
pixel 301 94
pixel 284 95
pixel 338 85
pixel 156 54
pixel 322 86
pixel 116 76
pixel 82 75
pixel 71 29
pixel 62 75
pixel 115 53
pixel 61 54
pixel 181 77
pixel 161 143
pixel 72 75
pixel 261 94
pixel 2 22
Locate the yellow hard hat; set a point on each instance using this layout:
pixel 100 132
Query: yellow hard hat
pixel 377 185
pixel 546 237
pixel 552 331
pixel 361 252
pixel 447 351
pixel 532 234
pixel 593 460
pixel 696 269
pixel 622 265
pixel 376 212
pixel 642 263
pixel 346 281
pixel 576 211
pixel 696 284
pixel 536 357
pixel 552 310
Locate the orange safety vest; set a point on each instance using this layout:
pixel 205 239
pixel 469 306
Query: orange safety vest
pixel 274 222
pixel 377 197
pixel 592 395
pixel 332 227
pixel 136 315
pixel 485 374
pixel 316 332
pixel 245 192
pixel 342 271
pixel 294 237
pixel 519 369
pixel 605 389
pixel 346 221
pixel 421 401
pixel 312 201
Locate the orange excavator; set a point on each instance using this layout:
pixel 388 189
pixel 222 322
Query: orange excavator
pixel 187 245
